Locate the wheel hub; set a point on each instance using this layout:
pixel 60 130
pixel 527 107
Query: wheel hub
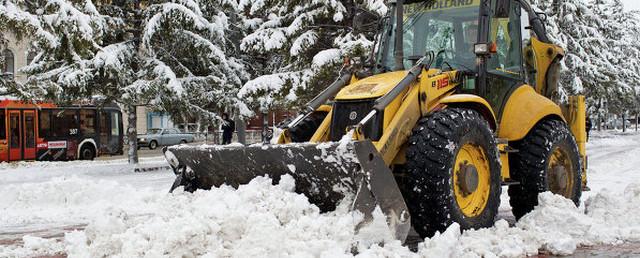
pixel 471 180
pixel 468 178
pixel 560 174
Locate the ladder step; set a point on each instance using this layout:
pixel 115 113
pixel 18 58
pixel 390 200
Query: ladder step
pixel 510 182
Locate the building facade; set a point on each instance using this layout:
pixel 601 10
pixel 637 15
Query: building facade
pixel 148 119
pixel 16 54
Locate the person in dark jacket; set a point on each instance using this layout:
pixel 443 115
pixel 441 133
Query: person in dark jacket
pixel 228 126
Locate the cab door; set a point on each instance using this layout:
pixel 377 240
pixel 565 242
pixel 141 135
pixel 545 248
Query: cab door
pixel 29 134
pixel 505 71
pixel 15 135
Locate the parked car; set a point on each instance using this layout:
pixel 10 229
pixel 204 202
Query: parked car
pixel 161 137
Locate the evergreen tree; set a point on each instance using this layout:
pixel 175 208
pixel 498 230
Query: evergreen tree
pixel 5 81
pixel 616 27
pixel 297 46
pixel 172 55
pixel 600 61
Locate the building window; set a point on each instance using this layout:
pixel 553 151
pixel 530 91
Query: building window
pixel 30 56
pixel 8 66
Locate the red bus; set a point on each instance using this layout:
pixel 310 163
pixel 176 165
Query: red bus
pixel 46 132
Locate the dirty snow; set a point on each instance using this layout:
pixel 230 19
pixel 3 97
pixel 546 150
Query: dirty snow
pixel 106 210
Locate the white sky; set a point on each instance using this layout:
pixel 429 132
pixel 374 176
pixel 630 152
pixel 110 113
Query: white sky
pixel 631 4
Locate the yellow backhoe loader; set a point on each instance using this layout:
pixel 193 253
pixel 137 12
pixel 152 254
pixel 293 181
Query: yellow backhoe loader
pixel 461 99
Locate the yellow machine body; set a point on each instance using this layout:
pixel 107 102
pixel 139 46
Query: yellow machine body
pixel 524 109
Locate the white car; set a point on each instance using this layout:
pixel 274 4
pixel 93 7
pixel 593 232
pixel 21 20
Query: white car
pixel 163 137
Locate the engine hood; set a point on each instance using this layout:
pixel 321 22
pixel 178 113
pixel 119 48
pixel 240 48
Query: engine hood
pixel 371 87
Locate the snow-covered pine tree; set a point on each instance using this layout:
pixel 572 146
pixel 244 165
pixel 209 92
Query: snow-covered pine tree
pixel 297 46
pixel 67 34
pixel 190 38
pixel 171 55
pixel 595 50
pixel 4 80
pixel 617 28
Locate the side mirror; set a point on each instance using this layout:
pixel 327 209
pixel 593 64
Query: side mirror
pixel 542 16
pixel 365 21
pixel 502 9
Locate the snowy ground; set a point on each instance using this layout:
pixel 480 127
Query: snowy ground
pixel 96 209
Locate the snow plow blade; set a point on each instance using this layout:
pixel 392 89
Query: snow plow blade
pixel 326 173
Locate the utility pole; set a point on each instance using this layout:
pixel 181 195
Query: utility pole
pixel 265 126
pixel 241 128
pixel 134 32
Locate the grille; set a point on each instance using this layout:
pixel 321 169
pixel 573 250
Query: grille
pixel 348 113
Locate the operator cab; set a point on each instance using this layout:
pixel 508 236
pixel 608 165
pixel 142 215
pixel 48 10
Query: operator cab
pixel 451 30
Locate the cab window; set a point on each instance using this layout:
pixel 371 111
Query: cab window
pixel 505 32
pixel 527 49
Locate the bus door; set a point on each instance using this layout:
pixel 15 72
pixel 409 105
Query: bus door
pixel 22 135
pixel 29 134
pixel 110 131
pixel 15 135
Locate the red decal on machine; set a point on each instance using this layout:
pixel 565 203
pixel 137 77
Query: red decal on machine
pixel 443 83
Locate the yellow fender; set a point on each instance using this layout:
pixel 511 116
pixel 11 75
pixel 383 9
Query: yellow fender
pixel 472 102
pixel 524 109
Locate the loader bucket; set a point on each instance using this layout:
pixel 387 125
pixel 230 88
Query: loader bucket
pixel 326 173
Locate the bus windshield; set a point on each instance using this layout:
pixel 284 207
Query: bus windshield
pixel 449 27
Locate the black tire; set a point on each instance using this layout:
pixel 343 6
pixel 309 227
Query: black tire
pixel 87 152
pixel 183 142
pixel 431 154
pixel 307 127
pixel 534 154
pixel 153 145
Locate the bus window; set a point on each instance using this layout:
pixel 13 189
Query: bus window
pixel 88 122
pixel 44 123
pixel 65 122
pixel 3 126
pixel 30 131
pixel 115 124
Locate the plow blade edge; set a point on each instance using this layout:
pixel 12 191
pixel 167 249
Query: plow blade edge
pixel 326 173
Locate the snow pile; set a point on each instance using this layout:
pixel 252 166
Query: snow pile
pixel 261 219
pixel 258 219
pixel 265 220
pixel 556 226
pixel 31 246
pixel 67 201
